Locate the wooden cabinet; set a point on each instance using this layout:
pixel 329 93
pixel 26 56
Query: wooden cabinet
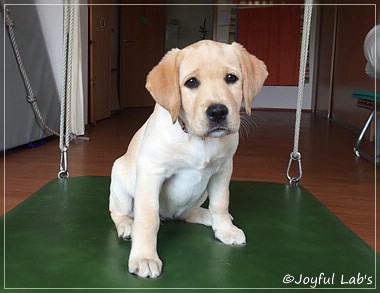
pixel 341 62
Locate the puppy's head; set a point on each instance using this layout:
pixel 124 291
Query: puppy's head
pixel 204 85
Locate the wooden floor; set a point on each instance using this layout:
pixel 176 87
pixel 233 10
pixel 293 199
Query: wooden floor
pixel 342 182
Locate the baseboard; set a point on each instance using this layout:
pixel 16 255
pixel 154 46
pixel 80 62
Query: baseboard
pixel 280 110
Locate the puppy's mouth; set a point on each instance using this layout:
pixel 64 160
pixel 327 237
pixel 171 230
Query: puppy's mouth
pixel 218 131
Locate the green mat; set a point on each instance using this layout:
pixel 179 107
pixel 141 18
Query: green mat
pixel 63 237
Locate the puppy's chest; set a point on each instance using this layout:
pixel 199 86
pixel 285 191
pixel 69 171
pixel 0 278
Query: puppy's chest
pixel 184 189
pixel 202 164
pixel 196 169
pixel 191 174
pixel 204 156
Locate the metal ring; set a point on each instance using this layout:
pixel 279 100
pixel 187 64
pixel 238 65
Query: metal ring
pixel 294 181
pixel 63 174
pixel 295 156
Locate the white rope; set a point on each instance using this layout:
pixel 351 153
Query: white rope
pixel 65 135
pixel 295 155
pixel 64 77
pixel 69 75
pixel 65 119
pixel 302 72
pixel 31 98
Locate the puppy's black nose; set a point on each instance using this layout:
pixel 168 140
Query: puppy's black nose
pixel 217 113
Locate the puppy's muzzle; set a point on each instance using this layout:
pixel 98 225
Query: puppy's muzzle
pixel 217 116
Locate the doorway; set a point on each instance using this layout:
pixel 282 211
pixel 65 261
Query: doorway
pixel 103 60
pixel 127 41
pixel 142 36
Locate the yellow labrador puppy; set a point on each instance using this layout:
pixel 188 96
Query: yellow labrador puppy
pixel 183 153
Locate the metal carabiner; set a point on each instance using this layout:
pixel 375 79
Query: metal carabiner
pixel 294 156
pixel 63 168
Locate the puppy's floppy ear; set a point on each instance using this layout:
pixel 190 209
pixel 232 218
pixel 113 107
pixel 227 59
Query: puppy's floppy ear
pixel 254 74
pixel 162 83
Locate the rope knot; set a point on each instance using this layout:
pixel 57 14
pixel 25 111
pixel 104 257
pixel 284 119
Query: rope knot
pixel 9 21
pixel 31 99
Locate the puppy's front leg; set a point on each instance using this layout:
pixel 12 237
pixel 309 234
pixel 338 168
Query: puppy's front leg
pixel 143 259
pixel 219 194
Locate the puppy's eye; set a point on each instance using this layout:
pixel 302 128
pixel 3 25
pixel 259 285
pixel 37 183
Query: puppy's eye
pixel 231 78
pixel 192 83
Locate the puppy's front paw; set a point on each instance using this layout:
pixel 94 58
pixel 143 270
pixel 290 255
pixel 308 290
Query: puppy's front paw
pixel 231 236
pixel 145 267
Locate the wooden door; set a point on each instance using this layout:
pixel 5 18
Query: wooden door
pixel 100 62
pixel 142 37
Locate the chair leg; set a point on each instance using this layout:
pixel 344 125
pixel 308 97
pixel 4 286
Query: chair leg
pixel 361 136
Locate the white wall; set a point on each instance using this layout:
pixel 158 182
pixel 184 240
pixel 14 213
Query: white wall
pixel 282 97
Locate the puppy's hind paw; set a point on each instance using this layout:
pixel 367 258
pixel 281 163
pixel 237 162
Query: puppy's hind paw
pixel 198 216
pixel 124 230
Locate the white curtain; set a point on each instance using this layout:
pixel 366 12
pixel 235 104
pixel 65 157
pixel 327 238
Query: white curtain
pixel 51 17
pixel 77 90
